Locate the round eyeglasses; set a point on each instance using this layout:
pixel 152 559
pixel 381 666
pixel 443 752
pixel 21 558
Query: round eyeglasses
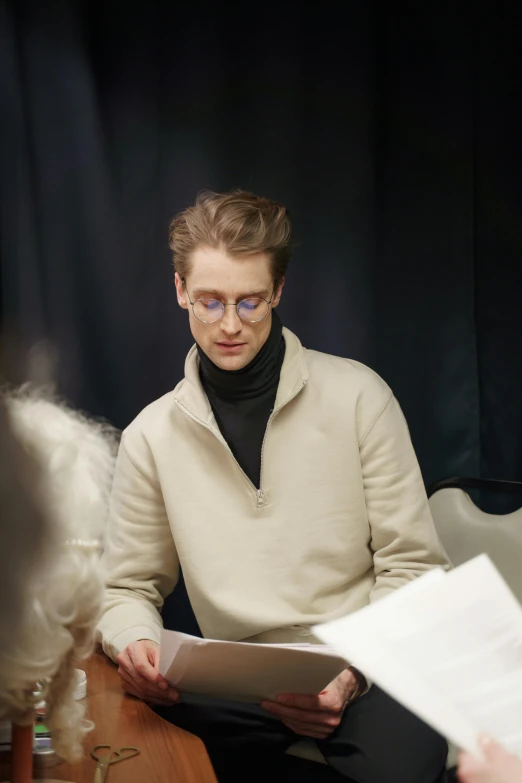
pixel 251 310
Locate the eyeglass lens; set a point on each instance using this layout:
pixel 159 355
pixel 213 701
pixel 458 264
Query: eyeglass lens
pixel 211 310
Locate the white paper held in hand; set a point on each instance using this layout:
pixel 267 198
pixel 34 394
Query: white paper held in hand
pixel 245 672
pixel 449 647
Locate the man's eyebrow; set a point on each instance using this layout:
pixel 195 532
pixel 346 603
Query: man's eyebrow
pixel 198 292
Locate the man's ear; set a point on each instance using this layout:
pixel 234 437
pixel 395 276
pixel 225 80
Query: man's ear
pixel 181 292
pixel 277 294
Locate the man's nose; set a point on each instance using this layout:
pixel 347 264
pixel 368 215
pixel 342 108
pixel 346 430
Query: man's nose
pixel 230 322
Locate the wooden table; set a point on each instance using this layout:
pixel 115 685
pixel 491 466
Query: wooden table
pixel 167 753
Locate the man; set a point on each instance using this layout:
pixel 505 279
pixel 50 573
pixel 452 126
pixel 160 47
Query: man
pixel 284 483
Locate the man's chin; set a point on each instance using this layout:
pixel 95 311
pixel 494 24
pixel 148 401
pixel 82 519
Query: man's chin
pixel 230 363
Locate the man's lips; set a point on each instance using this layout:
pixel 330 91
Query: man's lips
pixel 229 346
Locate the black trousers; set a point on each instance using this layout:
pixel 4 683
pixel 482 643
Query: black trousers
pixel 378 741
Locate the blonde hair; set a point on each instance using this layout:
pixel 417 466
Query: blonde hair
pixel 64 591
pixel 238 223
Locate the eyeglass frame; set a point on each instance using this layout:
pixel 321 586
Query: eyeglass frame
pixel 230 304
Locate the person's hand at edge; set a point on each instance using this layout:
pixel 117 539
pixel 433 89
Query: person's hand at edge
pixel 498 766
pixel 138 670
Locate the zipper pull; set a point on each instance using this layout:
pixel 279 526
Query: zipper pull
pixel 260 499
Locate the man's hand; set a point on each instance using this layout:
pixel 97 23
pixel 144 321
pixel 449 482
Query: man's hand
pixel 499 766
pixel 138 669
pixel 317 716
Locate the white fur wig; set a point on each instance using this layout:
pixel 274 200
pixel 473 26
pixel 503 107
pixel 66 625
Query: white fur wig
pixel 65 591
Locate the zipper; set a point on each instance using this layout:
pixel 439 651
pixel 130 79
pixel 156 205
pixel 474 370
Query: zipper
pixel 224 443
pixel 260 498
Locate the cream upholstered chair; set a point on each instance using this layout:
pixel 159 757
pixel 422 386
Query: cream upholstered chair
pixel 466 531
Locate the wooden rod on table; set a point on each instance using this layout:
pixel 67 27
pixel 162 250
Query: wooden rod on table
pixel 22 753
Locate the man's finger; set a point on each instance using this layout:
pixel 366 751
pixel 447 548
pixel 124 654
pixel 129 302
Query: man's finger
pixel 140 681
pixel 306 729
pixel 134 681
pixel 304 702
pixel 153 652
pixel 328 702
pixel 124 660
pixel 130 687
pixel 149 696
pixel 140 660
pixel 132 674
pixel 126 667
pixel 138 654
pixel 307 717
pixel 146 690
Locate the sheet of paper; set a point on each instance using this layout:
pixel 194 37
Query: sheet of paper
pixel 449 648
pixel 245 672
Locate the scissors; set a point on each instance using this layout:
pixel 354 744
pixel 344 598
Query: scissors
pixel 112 756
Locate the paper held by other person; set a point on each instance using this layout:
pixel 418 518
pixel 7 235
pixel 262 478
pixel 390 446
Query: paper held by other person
pixel 448 646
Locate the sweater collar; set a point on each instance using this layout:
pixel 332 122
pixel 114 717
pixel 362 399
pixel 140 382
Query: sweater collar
pixel 191 395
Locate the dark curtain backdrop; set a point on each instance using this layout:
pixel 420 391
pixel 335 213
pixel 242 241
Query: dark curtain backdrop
pixel 393 134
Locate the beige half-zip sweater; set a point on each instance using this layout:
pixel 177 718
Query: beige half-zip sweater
pixel 341 517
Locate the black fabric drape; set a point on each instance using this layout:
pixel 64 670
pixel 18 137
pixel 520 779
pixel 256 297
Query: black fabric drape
pixel 392 135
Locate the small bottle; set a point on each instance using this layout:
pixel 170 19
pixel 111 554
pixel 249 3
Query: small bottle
pixel 80 688
pixel 43 752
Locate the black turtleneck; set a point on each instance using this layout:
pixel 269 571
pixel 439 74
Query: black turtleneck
pixel 242 400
